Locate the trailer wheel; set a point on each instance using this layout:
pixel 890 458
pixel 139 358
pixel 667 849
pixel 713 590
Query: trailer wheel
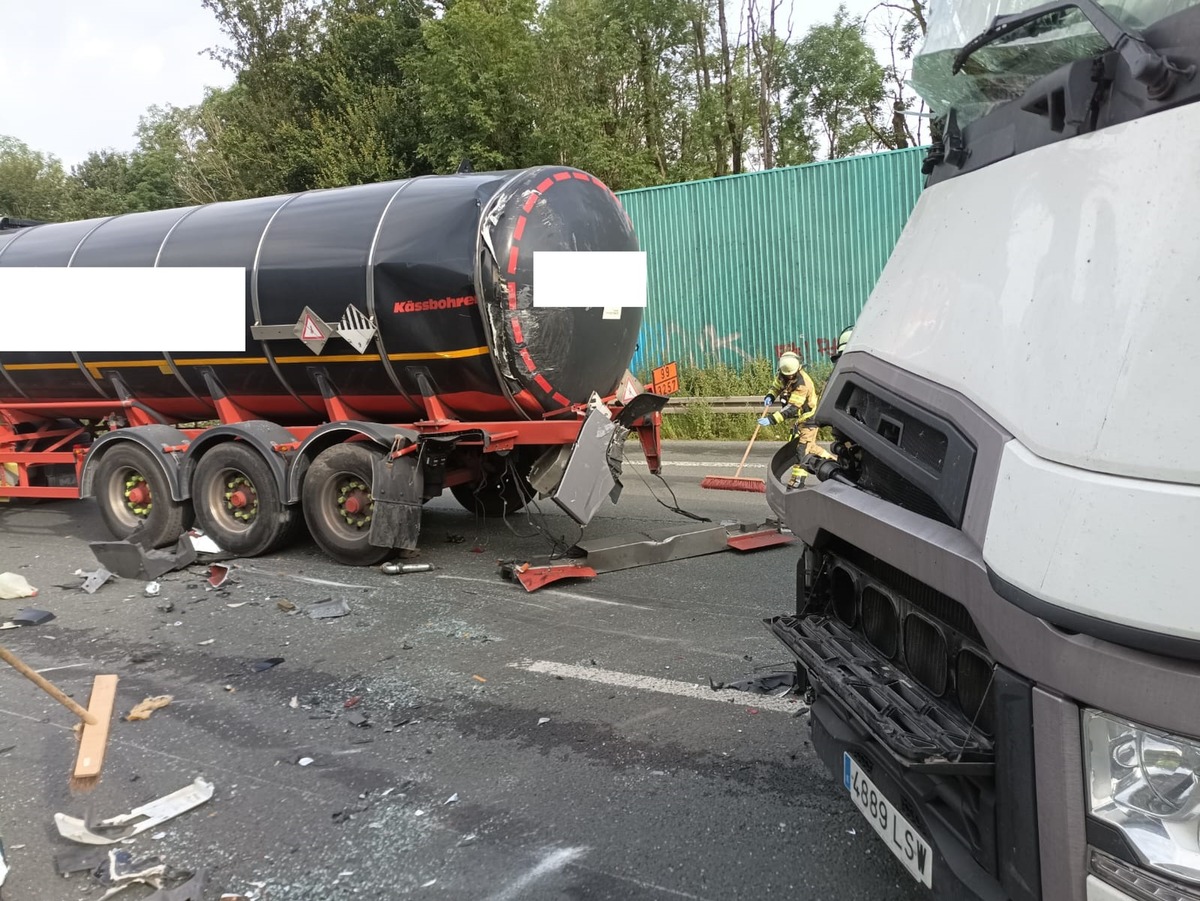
pixel 496 494
pixel 133 494
pixel 238 503
pixel 338 504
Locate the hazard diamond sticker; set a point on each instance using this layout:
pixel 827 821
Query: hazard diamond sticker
pixel 313 330
pixel 356 328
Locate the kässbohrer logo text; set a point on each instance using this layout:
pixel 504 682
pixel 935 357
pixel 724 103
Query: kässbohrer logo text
pixel 442 303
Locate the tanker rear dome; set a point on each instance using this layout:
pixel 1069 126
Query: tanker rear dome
pixel 558 354
pixel 443 265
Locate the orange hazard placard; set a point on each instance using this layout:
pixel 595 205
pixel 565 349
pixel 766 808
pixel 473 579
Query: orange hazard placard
pixel 665 379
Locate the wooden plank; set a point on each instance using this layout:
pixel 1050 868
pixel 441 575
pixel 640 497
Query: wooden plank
pixel 94 740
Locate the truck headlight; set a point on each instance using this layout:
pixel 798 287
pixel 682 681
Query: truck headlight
pixel 1147 784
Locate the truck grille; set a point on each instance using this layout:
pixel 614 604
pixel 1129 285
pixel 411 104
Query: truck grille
pixel 927 635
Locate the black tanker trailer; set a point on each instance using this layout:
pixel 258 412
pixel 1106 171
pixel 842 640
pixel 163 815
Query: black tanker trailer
pixel 393 349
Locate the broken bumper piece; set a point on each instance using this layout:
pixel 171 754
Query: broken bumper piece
pixel 137 820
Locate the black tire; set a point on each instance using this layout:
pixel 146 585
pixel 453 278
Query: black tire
pixel 124 470
pixel 238 503
pixel 496 494
pixel 338 476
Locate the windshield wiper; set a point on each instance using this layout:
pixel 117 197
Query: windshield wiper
pixel 1146 64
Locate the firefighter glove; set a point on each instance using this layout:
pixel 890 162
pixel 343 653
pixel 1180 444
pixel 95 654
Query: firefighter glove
pixel 768 400
pixel 765 420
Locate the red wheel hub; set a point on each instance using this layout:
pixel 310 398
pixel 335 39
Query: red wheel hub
pixel 352 504
pixel 139 494
pixel 238 498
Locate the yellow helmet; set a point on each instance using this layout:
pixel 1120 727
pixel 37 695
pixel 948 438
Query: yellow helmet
pixel 789 364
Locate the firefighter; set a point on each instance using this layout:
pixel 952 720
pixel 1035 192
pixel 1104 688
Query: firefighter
pixel 842 341
pixel 794 389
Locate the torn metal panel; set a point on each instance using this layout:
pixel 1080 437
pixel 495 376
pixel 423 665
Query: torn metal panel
pixel 653 546
pixel 137 820
pixel 589 476
pixel 762 538
pixel 130 560
pixel 535 577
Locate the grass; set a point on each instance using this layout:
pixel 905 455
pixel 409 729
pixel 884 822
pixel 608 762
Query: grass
pixel 703 423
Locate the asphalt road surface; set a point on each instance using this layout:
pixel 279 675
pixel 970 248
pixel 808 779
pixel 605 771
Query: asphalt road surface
pixel 561 744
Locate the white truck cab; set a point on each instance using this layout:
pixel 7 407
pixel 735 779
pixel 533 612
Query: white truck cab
pixel 998 602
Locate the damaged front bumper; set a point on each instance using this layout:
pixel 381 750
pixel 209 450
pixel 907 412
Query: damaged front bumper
pixel 932 766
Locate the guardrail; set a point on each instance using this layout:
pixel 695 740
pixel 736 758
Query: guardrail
pixel 751 403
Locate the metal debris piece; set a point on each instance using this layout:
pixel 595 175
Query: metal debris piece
pixel 14 585
pixel 357 718
pixel 143 709
pixel 776 683
pixel 218 575
pixel 453 799
pixel 138 820
pixel 400 569
pixel 31 616
pixel 260 666
pixel 328 609
pixel 95 579
pixel 543 720
pixel 152 589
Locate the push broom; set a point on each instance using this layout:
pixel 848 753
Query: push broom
pixel 96 719
pixel 736 483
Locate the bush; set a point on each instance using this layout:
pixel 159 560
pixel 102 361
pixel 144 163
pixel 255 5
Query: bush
pixel 703 423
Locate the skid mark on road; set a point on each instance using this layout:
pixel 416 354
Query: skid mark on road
pixel 785 704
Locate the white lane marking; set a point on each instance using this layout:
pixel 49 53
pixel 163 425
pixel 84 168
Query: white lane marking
pixel 551 863
pixel 784 704
pixel 554 592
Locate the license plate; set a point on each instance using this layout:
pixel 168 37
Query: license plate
pixel 904 841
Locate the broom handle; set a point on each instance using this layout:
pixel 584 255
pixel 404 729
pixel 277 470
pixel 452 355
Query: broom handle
pixel 37 679
pixel 746 455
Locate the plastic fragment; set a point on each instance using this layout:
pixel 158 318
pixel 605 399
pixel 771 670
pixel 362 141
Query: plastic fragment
pixel 543 720
pixel 143 709
pixel 140 819
pixel 152 589
pixel 304 761
pixel 14 585
pixel 31 616
pixel 207 641
pixel 453 799
pixel 218 575
pixel 328 609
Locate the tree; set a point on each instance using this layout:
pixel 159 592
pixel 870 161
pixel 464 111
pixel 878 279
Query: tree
pixel 32 184
pixel 837 84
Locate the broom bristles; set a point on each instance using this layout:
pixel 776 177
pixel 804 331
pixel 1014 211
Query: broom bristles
pixel 729 483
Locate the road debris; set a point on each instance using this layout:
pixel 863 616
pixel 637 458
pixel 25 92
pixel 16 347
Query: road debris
pixel 285 605
pixel 192 890
pixel 773 683
pixel 543 720
pixel 218 575
pixel 130 560
pixel 79 860
pixel 479 678
pixel 261 666
pixel 357 718
pixel 138 820
pixel 3 864
pixel 31 616
pixel 294 702
pixel 329 609
pixel 93 580
pixel 14 585
pixel 168 607
pixel 239 604
pixel 402 569
pixel 202 543
pixel 453 799
pixel 152 589
pixel 304 761
pixel 143 709
pixel 120 870
pixel 352 701
pixel 207 641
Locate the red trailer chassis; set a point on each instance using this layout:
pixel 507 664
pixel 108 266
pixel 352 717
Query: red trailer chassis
pixel 252 496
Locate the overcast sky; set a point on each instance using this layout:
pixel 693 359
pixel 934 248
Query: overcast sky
pixel 79 73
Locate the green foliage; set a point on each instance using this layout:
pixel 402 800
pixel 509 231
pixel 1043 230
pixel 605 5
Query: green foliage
pixel 701 421
pixel 32 184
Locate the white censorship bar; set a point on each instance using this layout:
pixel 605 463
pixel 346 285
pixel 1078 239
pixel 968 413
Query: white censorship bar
pixel 122 310
pixel 601 278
